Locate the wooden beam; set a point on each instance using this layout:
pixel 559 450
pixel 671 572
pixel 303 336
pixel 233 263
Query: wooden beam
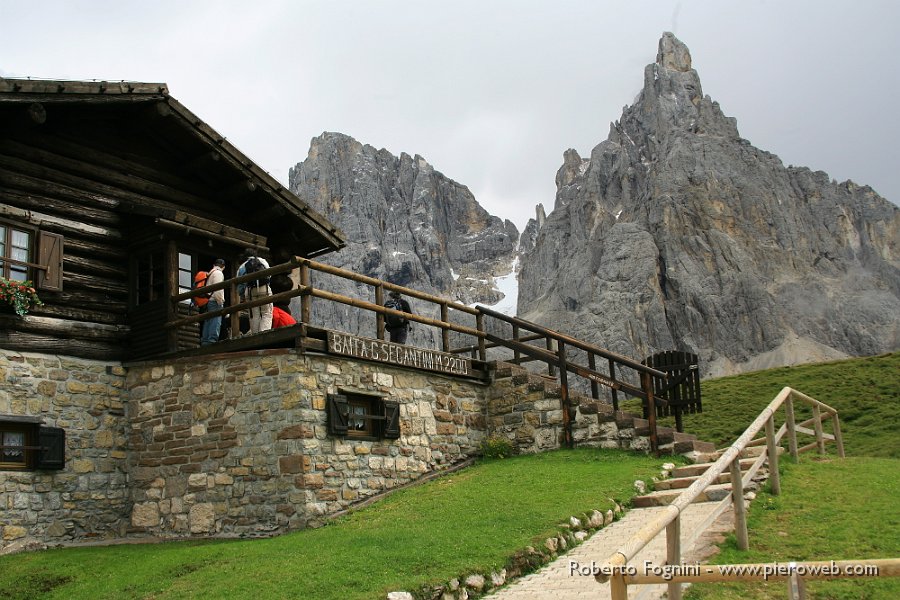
pixel 237 191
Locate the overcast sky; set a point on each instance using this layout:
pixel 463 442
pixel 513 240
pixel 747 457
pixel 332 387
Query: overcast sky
pixel 490 92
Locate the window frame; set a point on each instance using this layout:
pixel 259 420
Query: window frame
pixel 6 258
pixel 363 416
pixel 44 448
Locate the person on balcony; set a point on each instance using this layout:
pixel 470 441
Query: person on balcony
pixel 281 311
pixel 212 326
pixel 396 325
pixel 260 316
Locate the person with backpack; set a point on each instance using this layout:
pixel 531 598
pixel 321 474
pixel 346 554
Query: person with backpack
pixel 210 332
pixel 281 311
pixel 396 325
pixel 260 316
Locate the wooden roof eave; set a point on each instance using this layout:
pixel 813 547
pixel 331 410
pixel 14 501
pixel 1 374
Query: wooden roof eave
pixel 332 237
pixel 30 91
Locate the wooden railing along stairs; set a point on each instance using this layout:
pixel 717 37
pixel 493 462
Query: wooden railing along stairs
pixel 741 467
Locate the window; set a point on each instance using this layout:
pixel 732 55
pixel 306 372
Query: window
pixel 185 274
pixel 17 244
pixel 26 445
pixel 27 254
pixel 363 416
pixel 151 278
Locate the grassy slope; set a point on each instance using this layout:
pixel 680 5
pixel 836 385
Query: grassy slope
pixel 865 392
pixel 471 520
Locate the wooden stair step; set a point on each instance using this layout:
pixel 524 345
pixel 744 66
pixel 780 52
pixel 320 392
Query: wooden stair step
pixel 664 497
pixel 680 483
pixel 701 468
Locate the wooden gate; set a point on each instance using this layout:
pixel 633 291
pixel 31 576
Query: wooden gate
pixel 681 391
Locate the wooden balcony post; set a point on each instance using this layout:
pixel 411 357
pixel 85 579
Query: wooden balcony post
pixel 791 428
pixel 820 435
pixel 838 438
pixel 379 318
pixel 647 387
pixel 551 370
pixel 673 553
pixel 516 354
pixel 479 325
pixel 737 497
pixel 305 299
pixel 445 333
pixel 772 449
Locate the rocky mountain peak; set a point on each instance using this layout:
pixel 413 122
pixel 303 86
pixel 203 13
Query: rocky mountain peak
pixel 678 234
pixel 406 223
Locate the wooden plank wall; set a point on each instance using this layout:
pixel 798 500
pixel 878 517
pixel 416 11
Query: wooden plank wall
pixel 63 183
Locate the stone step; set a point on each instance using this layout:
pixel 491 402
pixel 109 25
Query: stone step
pixel 680 483
pixel 663 497
pixel 700 468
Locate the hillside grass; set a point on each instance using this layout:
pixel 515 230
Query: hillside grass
pixel 829 509
pixel 865 392
pixel 471 521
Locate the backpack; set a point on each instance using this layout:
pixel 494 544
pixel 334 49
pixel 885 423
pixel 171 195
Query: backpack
pixel 203 299
pixel 394 321
pixel 253 265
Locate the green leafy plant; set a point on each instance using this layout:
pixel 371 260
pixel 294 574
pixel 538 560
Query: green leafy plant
pixel 19 295
pixel 497 446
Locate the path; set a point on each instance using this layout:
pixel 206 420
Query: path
pixel 558 581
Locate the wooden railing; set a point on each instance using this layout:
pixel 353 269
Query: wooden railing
pixel 556 352
pixel 615 570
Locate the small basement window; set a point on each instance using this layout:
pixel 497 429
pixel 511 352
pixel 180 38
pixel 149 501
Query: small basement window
pixel 363 416
pixel 27 445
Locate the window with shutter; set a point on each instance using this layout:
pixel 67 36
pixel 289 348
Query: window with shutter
pixel 52 444
pixel 363 416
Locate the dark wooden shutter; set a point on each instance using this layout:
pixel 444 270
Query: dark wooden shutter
pixel 52 454
pixel 338 414
pixel 391 420
pixel 50 253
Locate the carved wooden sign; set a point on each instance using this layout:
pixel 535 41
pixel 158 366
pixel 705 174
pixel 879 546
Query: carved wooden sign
pixel 397 354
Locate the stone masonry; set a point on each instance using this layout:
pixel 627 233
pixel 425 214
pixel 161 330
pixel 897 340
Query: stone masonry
pixel 90 497
pixel 237 445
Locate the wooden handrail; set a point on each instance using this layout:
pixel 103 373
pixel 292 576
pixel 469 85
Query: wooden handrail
pixel 730 459
pixel 561 337
pixel 818 569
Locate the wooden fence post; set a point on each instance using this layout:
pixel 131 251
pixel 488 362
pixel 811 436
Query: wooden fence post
pixel 445 333
pixel 772 449
pixel 479 325
pixel 516 354
pixel 612 375
pixel 820 436
pixel 595 387
pixel 673 553
pixel 647 387
pixel 618 589
pixel 838 438
pixel 737 497
pixel 791 428
pixel 564 394
pixel 551 371
pixel 305 299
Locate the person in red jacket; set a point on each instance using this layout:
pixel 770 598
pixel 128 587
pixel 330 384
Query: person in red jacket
pixel 281 311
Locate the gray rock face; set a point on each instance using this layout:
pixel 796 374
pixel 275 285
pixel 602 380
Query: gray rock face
pixel 405 223
pixel 678 234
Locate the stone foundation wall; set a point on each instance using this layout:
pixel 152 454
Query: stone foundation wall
pixel 89 498
pixel 238 444
pixel 527 409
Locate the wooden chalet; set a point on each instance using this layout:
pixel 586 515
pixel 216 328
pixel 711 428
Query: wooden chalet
pixel 112 195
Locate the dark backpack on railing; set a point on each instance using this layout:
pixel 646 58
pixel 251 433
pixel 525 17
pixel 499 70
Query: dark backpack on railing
pixel 253 265
pixel 394 321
